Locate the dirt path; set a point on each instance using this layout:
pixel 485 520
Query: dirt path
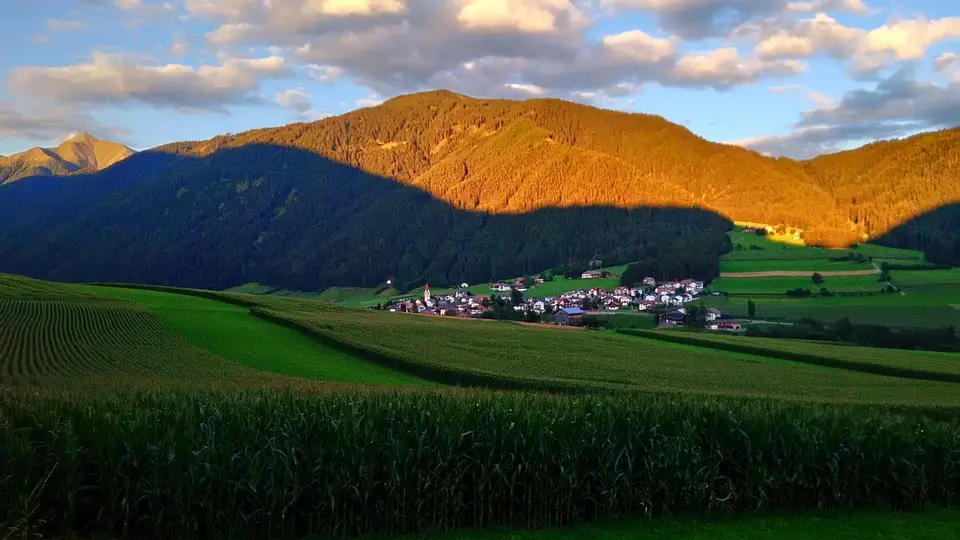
pixel 797 273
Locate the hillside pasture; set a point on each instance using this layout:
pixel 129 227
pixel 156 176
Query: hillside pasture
pixel 780 285
pixel 926 278
pixel 922 364
pixel 794 265
pixel 230 332
pixel 521 356
pixel 59 334
pixel 764 248
pixel 913 310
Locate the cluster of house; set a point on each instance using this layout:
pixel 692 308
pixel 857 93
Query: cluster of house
pixel 461 303
pixel 713 318
pixel 568 308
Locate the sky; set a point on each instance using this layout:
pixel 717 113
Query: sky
pixel 790 78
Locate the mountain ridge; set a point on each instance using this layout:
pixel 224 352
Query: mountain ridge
pixel 427 139
pixel 80 153
pixel 442 187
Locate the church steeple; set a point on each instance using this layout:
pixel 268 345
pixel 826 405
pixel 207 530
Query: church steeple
pixel 426 293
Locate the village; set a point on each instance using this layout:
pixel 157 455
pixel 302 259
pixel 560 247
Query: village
pixel 667 299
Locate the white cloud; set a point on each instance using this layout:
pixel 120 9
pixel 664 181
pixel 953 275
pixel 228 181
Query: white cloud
pixel 371 101
pixel 909 39
pixel 179 48
pixel 640 47
pixel 117 79
pixel 948 64
pixel 526 89
pixel 695 19
pixel 868 50
pixel 324 74
pixel 785 88
pixel 818 6
pixel 819 34
pixel 534 16
pixel 62 25
pixel 50 123
pixel 295 99
pixel 897 106
pixel 724 68
pixel 145 8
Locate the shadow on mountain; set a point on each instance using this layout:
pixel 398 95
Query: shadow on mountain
pixel 936 233
pixel 291 218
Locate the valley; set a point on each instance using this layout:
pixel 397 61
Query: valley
pixel 449 317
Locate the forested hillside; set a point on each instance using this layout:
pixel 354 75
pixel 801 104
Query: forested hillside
pixel 904 187
pixel 288 217
pixel 448 188
pixel 516 156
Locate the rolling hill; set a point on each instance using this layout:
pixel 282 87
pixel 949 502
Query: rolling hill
pixel 442 187
pixel 79 153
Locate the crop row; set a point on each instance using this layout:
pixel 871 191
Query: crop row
pixel 203 465
pixel 503 355
pixel 89 340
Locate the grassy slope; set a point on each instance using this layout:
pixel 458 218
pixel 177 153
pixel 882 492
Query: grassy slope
pixel 937 524
pixel 813 265
pixel 927 303
pixel 591 360
pixel 914 310
pixel 230 332
pixel 773 250
pixel 779 285
pixel 925 361
pixel 59 334
pixel 921 278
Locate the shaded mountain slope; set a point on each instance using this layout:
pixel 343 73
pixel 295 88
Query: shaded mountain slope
pixel 80 153
pixel 442 187
pixel 288 217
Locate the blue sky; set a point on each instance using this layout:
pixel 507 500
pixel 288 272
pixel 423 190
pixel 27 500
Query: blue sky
pixel 785 77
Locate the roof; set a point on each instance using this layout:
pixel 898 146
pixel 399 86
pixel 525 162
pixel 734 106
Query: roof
pixel 572 311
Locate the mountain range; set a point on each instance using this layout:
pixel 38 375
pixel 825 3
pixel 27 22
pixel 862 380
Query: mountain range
pixel 80 153
pixel 449 188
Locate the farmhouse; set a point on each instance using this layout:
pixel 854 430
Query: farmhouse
pixel 500 287
pixel 571 316
pixel 591 274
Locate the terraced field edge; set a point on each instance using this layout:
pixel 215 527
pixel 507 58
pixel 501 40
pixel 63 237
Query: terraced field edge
pixel 851 365
pixel 445 376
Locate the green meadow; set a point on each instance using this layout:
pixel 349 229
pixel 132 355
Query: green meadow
pixel 228 331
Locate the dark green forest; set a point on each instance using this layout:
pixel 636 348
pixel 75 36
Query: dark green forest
pixel 937 233
pixel 291 218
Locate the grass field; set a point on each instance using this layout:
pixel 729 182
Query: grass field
pixel 807 265
pixel 491 353
pixel 195 438
pixel 927 278
pixel 229 331
pixel 780 285
pixel 773 250
pixel 923 363
pixel 57 334
pixel 912 310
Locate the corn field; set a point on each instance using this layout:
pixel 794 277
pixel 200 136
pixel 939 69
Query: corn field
pixel 186 464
